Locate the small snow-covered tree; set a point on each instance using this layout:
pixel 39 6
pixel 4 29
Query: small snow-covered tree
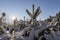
pixel 1 21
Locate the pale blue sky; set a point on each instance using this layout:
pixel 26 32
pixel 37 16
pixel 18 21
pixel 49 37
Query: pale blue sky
pixel 18 8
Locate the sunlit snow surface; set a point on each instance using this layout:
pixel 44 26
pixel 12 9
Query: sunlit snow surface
pixel 31 31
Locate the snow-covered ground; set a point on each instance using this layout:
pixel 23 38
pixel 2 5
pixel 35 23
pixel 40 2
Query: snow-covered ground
pixel 42 31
